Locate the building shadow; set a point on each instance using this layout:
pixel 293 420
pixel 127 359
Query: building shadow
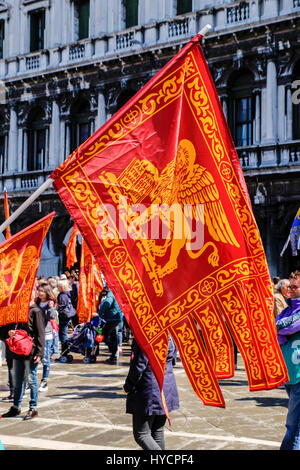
pixel 233 383
pixel 267 401
pixel 93 393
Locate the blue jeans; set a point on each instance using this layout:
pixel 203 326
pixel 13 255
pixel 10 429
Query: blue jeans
pixel 148 431
pixel 54 344
pixel 109 332
pixel 63 327
pixel 291 440
pixel 25 370
pixel 46 360
pixel 120 333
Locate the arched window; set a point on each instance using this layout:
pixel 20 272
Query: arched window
pixel 241 109
pixel 80 122
pixel 296 102
pixel 36 140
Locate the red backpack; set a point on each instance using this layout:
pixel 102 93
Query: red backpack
pixel 20 343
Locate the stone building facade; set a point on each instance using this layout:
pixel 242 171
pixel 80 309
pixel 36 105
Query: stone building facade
pixel 66 66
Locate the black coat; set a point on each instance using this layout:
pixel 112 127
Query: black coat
pixel 144 395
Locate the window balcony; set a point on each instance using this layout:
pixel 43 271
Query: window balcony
pixel 23 181
pixel 77 52
pixel 264 156
pixel 33 62
pixel 124 41
pixel 178 28
pixel 238 13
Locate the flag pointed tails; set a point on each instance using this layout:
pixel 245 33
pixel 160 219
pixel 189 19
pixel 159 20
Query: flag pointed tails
pixel 19 262
pixel 170 147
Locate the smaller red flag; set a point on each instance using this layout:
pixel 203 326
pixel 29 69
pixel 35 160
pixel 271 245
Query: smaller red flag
pixel 90 284
pixel 71 247
pixel 6 213
pixel 19 262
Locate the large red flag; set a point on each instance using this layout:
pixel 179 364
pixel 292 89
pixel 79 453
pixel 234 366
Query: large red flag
pixel 170 146
pixel 19 262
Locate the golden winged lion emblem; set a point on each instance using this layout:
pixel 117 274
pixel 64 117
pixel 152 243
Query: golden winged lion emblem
pixel 183 192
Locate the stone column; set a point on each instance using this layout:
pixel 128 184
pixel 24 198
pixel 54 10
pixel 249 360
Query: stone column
pixel 281 115
pixel 289 114
pixel 224 101
pixel 54 138
pixel 67 145
pixel 271 103
pixel 24 150
pixel 257 121
pixel 12 142
pixel 101 112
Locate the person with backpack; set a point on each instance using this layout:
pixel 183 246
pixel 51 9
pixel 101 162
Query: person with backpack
pixel 110 311
pixel 65 312
pixel 25 366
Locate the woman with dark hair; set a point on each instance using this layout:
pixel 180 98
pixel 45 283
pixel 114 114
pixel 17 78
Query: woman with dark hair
pixel 46 302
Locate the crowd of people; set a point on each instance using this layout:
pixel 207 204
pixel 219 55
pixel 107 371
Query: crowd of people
pixel 52 314
pixel 53 311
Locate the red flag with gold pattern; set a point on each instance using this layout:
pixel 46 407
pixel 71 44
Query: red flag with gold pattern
pixel 89 285
pixel 19 262
pixel 71 247
pixel 159 196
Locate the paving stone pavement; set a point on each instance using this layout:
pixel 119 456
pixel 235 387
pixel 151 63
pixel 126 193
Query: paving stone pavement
pixel 84 409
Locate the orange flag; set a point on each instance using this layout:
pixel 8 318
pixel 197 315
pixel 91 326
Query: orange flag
pixel 19 262
pixel 71 247
pixel 6 213
pixel 158 194
pixel 90 285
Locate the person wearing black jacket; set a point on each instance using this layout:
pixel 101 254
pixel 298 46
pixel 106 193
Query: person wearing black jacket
pixel 144 397
pixel 27 365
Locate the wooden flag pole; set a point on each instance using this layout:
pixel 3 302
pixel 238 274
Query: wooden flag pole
pixel 49 181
